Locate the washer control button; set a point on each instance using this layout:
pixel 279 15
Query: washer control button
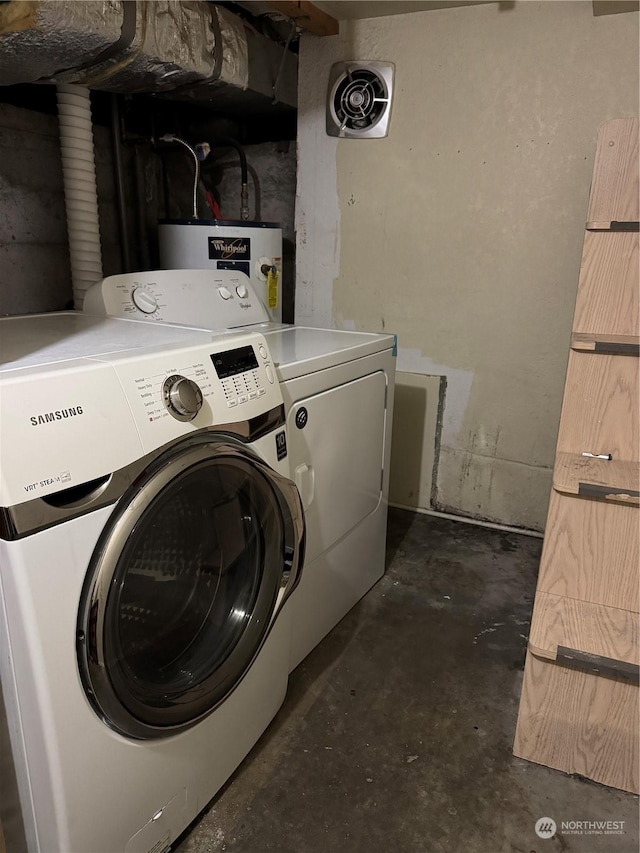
pixel 143 300
pixel 263 351
pixel 269 373
pixel 242 291
pixel 182 397
pixel 225 293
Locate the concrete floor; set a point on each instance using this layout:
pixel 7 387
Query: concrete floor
pixel 396 732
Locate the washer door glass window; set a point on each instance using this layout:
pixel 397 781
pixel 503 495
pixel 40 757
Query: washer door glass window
pixel 185 584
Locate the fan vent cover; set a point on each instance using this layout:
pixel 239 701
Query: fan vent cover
pixel 359 99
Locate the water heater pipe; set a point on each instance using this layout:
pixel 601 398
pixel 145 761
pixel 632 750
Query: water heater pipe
pixel 170 137
pixel 118 168
pixel 227 142
pixel 80 192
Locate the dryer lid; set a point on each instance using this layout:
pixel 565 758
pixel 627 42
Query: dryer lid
pixel 300 350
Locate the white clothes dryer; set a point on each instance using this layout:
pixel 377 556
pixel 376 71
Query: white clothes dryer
pixel 150 538
pixel 338 391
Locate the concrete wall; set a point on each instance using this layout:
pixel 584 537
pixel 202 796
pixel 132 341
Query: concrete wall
pixel 462 231
pixel 34 254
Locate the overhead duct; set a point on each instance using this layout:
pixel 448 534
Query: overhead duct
pixel 193 50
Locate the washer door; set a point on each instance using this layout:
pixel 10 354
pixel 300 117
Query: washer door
pixel 184 585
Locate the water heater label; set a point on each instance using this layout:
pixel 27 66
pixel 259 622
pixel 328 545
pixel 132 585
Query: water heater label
pixel 239 266
pixel 229 248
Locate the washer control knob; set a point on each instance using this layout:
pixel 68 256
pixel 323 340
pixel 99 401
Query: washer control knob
pixel 242 291
pixel 144 301
pixel 225 292
pixel 182 397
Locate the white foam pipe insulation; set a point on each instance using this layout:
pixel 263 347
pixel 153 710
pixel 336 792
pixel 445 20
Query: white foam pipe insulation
pixel 80 191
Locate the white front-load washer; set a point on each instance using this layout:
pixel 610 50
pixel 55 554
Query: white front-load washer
pixel 150 538
pixel 338 391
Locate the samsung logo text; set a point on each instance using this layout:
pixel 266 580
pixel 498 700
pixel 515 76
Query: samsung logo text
pixel 58 415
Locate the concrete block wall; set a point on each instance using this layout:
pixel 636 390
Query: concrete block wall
pixel 34 254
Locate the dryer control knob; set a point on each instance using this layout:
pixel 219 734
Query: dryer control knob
pixel 144 301
pixel 182 397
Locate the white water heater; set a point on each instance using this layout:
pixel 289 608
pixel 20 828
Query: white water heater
pixel 254 248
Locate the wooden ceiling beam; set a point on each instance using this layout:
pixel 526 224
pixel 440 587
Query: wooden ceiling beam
pixel 307 16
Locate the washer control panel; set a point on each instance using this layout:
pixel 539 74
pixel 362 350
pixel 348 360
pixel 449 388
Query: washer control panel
pixel 241 374
pixel 230 379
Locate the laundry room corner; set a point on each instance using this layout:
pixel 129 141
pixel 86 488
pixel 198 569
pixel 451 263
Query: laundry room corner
pixel 422 234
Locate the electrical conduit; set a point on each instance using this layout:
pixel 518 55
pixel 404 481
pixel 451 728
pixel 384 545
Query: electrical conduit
pixel 80 191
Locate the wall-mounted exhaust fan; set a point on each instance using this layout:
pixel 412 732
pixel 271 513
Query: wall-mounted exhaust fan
pixel 359 99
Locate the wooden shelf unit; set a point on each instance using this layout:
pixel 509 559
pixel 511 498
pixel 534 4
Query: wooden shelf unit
pixel 579 705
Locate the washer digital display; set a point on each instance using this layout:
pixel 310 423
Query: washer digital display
pixel 234 361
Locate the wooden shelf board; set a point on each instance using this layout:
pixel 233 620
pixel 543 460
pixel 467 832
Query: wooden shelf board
pixel 606 344
pixel 580 723
pixel 307 16
pixel 591 551
pixel 559 621
pixel 612 226
pixel 600 412
pixel 573 475
pixel 614 189
pixel 607 302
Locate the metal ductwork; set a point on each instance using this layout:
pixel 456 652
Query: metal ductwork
pixel 184 50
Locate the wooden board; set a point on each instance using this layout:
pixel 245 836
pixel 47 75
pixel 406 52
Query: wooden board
pixel 591 552
pixel 307 16
pixel 579 723
pixel 597 478
pixel 559 621
pixel 600 409
pixel 614 189
pixel 607 304
pixel 606 344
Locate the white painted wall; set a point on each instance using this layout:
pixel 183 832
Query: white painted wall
pixel 462 231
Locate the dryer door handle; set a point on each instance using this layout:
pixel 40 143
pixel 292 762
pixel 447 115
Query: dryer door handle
pixel 305 479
